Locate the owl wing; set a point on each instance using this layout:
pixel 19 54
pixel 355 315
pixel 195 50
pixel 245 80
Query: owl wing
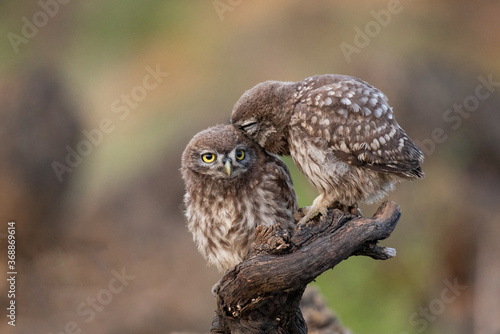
pixel 357 124
pixel 279 182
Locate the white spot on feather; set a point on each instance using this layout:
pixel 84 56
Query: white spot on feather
pixel 326 134
pixel 342 112
pixel 343 146
pixel 345 101
pixel 401 144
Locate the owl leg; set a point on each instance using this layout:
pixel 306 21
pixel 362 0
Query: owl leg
pixel 320 206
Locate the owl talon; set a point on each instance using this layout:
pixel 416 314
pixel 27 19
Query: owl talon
pixel 354 210
pixel 304 220
pixel 311 212
pixel 350 209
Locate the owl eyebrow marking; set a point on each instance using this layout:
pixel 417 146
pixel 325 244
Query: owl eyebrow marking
pixel 208 151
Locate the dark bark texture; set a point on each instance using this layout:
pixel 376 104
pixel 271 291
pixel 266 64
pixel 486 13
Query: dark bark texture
pixel 263 293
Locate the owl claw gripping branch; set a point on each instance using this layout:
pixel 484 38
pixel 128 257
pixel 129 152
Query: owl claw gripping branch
pixel 339 130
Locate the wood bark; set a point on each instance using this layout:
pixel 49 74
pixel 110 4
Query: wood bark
pixel 262 294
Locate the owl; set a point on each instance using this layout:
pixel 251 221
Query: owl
pixel 339 130
pixel 232 186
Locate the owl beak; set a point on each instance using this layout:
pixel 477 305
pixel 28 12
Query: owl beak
pixel 227 167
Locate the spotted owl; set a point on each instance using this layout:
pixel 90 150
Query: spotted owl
pixel 232 186
pixel 339 130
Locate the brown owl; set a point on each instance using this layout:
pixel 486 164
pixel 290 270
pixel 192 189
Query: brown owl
pixel 340 132
pixel 232 186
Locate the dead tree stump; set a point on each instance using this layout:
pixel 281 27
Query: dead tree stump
pixel 262 294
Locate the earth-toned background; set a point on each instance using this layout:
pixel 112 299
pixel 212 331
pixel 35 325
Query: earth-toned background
pixel 99 98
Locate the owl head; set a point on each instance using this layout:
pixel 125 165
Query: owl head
pixel 220 152
pixel 262 113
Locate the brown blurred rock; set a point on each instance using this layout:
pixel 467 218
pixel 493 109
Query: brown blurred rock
pixel 38 121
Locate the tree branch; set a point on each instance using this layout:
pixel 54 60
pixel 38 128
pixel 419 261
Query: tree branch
pixel 262 294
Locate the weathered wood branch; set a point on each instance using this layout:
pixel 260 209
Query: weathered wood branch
pixel 262 294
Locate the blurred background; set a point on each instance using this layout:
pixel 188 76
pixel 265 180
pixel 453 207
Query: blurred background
pixel 99 99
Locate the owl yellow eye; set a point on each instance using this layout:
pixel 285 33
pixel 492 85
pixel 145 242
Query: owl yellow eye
pixel 208 157
pixel 240 154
